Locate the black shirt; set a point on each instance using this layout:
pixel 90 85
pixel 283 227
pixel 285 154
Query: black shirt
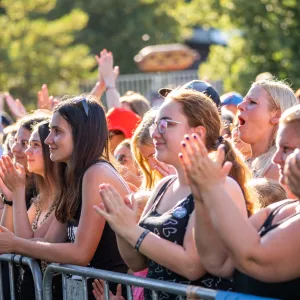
pixel 281 290
pixel 171 226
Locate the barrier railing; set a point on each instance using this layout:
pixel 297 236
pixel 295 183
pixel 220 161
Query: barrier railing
pixel 191 292
pixel 12 260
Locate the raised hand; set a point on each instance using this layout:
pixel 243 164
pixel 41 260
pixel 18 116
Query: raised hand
pixel 292 172
pixel 15 106
pixel 108 74
pixel 98 291
pixel 120 216
pixel 44 100
pixel 201 171
pixel 13 176
pixel 164 169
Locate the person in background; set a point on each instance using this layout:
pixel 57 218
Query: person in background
pixel 143 151
pixel 135 102
pixel 130 170
pixel 35 222
pixel 258 116
pixel 227 122
pixel 268 191
pixel 121 125
pixel 230 101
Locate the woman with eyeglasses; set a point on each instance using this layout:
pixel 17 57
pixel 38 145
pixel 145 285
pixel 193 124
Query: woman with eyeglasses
pixel 261 253
pixel 168 219
pixel 78 139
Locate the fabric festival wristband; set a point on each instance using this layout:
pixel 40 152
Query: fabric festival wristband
pixel 7 202
pixel 140 240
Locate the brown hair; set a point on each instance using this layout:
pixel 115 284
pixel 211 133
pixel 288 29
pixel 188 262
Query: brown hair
pixel 46 184
pixel 200 110
pixel 91 143
pixel 137 102
pixel 269 191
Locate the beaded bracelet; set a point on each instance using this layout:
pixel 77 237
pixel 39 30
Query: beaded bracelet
pixel 140 240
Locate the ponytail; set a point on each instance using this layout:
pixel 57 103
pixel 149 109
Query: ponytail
pixel 242 175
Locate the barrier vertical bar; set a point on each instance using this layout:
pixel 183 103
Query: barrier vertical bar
pixel 64 287
pixel 11 281
pixel 1 283
pixel 154 295
pixel 106 290
pixel 129 292
pixel 85 288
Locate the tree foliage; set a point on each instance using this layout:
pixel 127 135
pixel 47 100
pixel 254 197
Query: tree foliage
pixel 124 26
pixel 34 50
pixel 268 40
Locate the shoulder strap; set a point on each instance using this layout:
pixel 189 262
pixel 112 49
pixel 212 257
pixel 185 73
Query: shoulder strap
pixel 267 225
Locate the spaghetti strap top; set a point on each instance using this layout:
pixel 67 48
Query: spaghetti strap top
pixel 171 225
pixel 281 290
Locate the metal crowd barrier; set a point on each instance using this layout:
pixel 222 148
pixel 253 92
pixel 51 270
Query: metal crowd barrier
pixel 191 292
pixel 181 290
pixel 21 260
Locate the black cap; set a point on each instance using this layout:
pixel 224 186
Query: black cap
pixel 197 85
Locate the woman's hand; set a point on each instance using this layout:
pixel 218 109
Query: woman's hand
pixel 15 106
pixel 13 176
pixel 120 216
pixel 44 100
pixel 7 241
pixel 108 74
pixel 164 169
pixel 201 171
pixel 98 291
pixel 292 172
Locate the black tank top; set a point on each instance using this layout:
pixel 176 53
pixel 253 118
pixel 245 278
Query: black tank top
pixel 249 285
pixel 171 226
pixel 107 255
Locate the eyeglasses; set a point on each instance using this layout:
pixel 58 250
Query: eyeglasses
pixel 161 126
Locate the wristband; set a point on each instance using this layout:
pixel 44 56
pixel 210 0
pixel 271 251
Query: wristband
pixel 140 240
pixel 5 201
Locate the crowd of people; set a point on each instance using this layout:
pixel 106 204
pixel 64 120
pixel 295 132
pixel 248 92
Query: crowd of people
pixel 202 190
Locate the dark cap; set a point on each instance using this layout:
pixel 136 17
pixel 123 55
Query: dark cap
pixel 197 85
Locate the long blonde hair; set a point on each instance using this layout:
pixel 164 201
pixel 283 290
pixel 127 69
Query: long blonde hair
pixel 280 97
pixel 140 138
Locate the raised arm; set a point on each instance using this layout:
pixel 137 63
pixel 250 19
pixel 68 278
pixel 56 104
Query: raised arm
pixel 108 75
pixel 269 258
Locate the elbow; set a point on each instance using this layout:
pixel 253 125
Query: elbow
pixel 194 272
pixel 80 259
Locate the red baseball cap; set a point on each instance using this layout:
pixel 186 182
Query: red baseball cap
pixel 123 120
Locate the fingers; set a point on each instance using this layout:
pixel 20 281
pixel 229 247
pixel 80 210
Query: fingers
pixel 100 209
pixel 3 229
pixel 108 198
pixel 220 155
pixel 119 291
pixel 115 195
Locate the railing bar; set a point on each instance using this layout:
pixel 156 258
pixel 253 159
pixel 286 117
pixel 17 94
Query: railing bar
pixel 11 281
pixel 129 292
pixel 106 290
pixel 1 283
pixel 154 295
pixel 64 286
pixel 85 288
